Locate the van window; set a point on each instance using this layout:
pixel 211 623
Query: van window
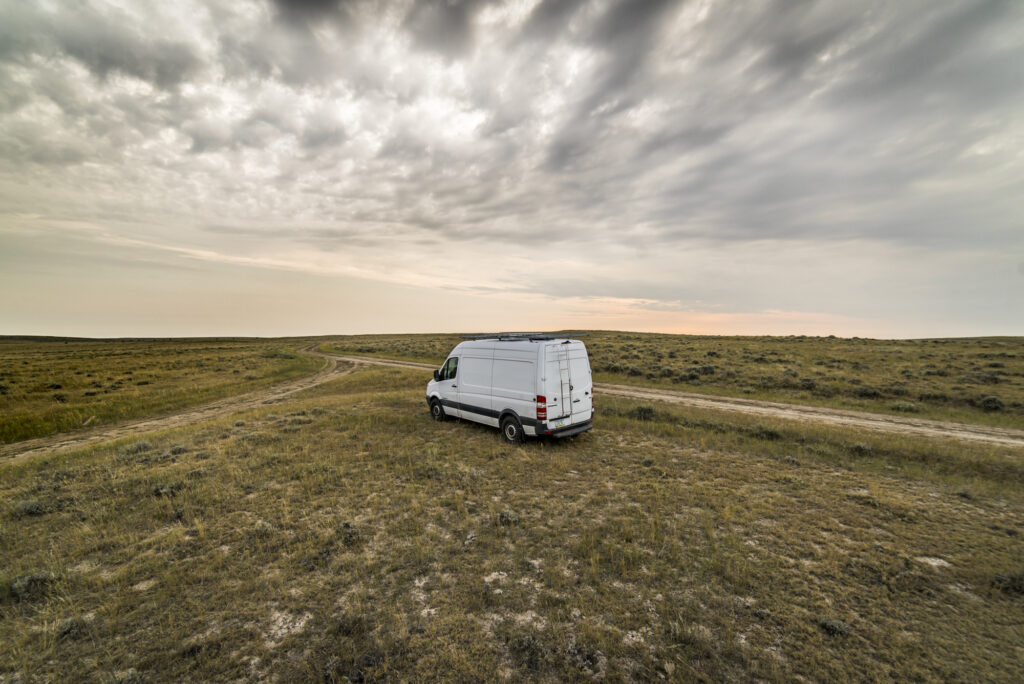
pixel 450 368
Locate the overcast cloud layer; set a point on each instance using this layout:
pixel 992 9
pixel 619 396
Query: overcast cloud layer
pixel 321 166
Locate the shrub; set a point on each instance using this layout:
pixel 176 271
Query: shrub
pixel 28 507
pixel 991 404
pixel 642 413
pixel 137 448
pixel 279 354
pixel 981 378
pixel 508 518
pixel 71 628
pixel 763 432
pixel 1009 584
pixel 861 449
pixel 834 627
pixel 905 407
pixel 31 586
pixel 932 396
pixel 348 534
pixel 867 393
pixel 166 489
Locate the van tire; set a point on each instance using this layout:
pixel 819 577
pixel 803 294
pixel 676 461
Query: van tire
pixel 437 411
pixel 512 430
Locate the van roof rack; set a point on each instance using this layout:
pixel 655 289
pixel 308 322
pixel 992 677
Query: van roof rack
pixel 529 336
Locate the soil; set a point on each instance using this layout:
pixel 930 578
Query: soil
pixel 771 409
pixel 55 444
pixel 338 365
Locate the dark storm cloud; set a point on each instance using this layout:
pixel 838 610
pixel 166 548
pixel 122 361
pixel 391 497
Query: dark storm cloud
pixel 101 43
pixel 443 26
pixel 877 97
pixel 636 128
pixel 303 11
pixel 550 18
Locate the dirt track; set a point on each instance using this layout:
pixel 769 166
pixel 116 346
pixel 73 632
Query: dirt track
pixel 770 409
pixel 54 444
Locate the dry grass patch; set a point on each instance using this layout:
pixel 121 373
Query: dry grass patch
pixel 972 380
pixel 369 542
pixel 51 385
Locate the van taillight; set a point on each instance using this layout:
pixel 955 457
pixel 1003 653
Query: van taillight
pixel 542 407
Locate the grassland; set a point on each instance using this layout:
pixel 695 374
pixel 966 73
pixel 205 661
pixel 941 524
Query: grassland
pixel 966 380
pixel 52 385
pixel 344 535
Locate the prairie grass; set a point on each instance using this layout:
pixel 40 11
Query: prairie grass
pixel 344 534
pixel 971 380
pixel 54 385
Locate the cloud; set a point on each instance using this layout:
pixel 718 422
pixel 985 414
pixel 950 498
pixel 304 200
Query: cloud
pixel 571 146
pixel 443 26
pixel 103 43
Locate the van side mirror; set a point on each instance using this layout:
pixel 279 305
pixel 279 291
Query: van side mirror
pixel 437 375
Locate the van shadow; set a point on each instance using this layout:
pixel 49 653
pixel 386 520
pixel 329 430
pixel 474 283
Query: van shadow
pixel 531 442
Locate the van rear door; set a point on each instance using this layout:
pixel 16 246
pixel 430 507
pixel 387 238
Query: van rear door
pixel 559 380
pixel 582 385
pixel 569 384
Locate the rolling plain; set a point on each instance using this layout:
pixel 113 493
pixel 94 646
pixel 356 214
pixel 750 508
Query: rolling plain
pixel 336 533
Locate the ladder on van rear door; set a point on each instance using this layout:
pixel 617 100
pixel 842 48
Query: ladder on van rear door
pixel 566 381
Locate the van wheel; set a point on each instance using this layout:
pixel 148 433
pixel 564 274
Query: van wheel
pixel 511 430
pixel 437 411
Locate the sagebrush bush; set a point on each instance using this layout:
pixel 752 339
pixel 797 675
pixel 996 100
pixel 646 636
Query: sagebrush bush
pixel 991 403
pixel 28 507
pixel 32 586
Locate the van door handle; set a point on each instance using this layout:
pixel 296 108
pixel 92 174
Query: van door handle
pixel 575 401
pixel 454 386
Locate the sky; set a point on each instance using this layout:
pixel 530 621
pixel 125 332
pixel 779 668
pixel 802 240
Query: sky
pixel 266 167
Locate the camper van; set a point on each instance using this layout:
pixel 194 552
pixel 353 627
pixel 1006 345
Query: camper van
pixel 525 384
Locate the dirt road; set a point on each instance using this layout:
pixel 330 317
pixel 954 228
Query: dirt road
pixel 338 365
pixel 55 444
pixel 770 409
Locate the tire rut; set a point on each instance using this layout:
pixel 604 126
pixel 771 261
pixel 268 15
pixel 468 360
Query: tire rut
pixel 60 443
pixel 771 409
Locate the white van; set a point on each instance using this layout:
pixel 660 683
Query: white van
pixel 536 385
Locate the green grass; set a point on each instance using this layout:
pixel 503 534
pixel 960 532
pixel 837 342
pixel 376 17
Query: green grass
pixel 343 534
pixel 971 380
pixel 51 385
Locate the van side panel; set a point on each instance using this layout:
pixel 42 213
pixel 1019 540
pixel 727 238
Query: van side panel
pixel 475 398
pixel 514 381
